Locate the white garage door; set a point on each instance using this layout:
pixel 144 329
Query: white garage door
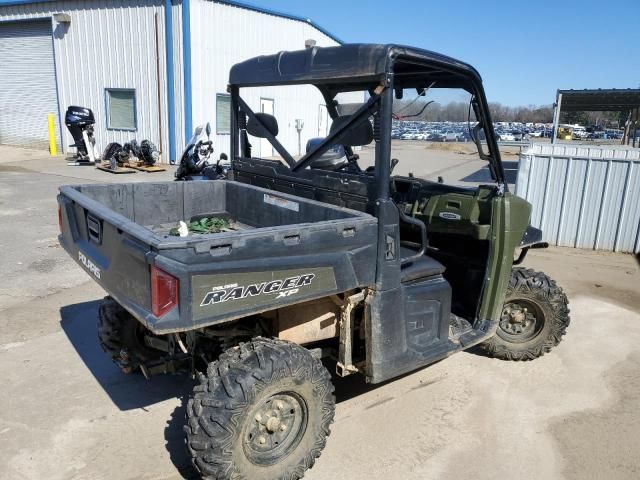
pixel 27 84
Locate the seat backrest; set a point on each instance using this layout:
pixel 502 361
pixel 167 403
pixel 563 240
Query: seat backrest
pixel 358 135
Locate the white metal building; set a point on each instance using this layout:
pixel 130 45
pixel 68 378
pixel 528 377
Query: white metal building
pixel 145 73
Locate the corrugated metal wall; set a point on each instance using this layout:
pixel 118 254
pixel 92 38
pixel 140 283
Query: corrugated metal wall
pixel 110 43
pixel 584 197
pixel 223 35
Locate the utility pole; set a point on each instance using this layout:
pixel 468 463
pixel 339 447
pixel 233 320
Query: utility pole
pixel 299 127
pixel 556 116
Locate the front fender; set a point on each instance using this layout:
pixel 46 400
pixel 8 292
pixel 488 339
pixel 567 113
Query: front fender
pixel 532 237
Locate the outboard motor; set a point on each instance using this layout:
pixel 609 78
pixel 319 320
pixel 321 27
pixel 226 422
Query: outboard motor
pixel 333 159
pixel 337 159
pixel 80 121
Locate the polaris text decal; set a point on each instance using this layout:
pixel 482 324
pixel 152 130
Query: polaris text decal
pixel 281 288
pixel 89 265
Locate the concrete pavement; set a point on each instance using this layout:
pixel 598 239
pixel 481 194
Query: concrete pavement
pixel 67 413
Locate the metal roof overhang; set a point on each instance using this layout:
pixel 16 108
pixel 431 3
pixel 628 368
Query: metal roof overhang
pixel 610 100
pixel 233 3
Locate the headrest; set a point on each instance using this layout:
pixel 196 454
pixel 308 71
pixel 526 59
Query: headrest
pixel 266 123
pixel 359 134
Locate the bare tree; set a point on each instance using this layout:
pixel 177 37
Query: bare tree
pixel 459 112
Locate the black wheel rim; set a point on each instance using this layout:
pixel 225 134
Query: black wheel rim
pixel 274 428
pixel 521 321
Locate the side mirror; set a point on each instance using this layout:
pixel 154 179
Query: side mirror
pixel 208 129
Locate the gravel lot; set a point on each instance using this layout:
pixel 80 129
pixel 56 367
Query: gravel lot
pixel 66 412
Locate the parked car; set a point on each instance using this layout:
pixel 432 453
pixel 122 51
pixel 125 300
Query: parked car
pixel 519 136
pixel 506 137
pixel 450 136
pixel 464 137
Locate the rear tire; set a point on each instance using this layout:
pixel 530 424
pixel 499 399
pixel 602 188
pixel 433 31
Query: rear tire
pixel 263 411
pixel 535 316
pixel 121 337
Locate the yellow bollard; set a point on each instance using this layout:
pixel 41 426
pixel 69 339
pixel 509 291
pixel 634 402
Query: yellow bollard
pixel 53 148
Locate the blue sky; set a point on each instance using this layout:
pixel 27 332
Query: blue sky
pixel 525 51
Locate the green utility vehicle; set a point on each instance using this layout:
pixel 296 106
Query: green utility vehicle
pixel 324 262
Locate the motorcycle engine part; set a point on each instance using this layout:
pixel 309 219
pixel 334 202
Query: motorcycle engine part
pixel 149 154
pixel 111 151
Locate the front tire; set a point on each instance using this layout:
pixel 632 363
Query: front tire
pixel 263 411
pixel 534 318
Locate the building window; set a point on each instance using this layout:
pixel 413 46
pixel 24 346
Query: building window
pixel 121 108
pixel 223 114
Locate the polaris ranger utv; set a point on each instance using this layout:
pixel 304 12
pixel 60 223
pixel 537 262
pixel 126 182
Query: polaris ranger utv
pixel 323 261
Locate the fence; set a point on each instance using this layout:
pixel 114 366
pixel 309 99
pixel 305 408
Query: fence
pixel 582 196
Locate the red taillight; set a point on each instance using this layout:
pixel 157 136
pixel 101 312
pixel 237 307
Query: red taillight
pixel 60 217
pixel 164 291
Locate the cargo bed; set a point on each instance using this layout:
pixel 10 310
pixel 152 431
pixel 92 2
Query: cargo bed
pixel 280 249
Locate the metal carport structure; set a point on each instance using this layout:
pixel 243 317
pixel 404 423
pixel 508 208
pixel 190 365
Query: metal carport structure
pixel 598 100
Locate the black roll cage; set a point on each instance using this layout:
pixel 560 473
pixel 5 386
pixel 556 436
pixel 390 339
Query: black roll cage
pixel 370 107
pixel 374 105
pixel 267 134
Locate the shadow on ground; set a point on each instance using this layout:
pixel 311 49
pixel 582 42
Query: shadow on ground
pixel 127 392
pixel 356 385
pixel 174 438
pixel 346 388
pixel 130 391
pixel 484 175
pixel 133 391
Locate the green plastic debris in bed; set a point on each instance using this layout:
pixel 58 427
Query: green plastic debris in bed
pixel 204 225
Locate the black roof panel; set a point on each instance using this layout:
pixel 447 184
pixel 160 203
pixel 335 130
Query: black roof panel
pixel 355 63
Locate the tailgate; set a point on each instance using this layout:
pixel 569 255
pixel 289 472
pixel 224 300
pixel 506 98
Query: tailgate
pixel 106 246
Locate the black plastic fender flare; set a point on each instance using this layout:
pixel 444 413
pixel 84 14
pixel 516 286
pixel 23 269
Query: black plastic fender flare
pixel 532 238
